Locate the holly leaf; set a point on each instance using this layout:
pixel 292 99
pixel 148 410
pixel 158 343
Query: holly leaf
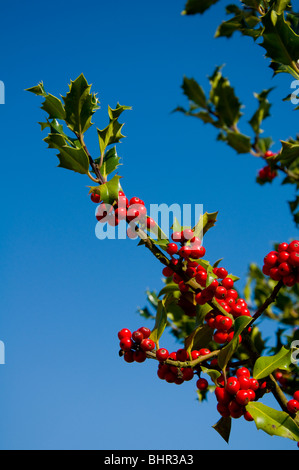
pixel 239 142
pixel 223 427
pixel 71 157
pixel 112 133
pixel 193 7
pixel 199 338
pixel 110 162
pixel 223 97
pixel 80 105
pixel 262 112
pixel 273 422
pixel 265 365
pixel 194 92
pixel 281 43
pixel 160 321
pixel 108 191
pixel 51 105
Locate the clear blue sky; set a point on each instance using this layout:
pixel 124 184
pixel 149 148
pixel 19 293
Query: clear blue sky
pixel 65 294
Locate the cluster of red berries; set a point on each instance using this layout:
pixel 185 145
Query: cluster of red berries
pixel 176 374
pixel 234 394
pixel 132 210
pixel 135 345
pixel 267 174
pixel 283 264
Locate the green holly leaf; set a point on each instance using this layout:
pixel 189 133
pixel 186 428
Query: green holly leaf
pixel 262 112
pixel 52 105
pixel 265 365
pixel 273 422
pixel 110 162
pixel 194 92
pixel 223 427
pixel 199 338
pixel 112 133
pixel 223 97
pixel 193 7
pixel 281 43
pixel 71 157
pixel 80 105
pixel 108 191
pixel 239 142
pixel 160 321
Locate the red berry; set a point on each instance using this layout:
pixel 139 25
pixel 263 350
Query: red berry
pixel 136 200
pixel 271 259
pixel 185 251
pixel 187 234
pixel 232 293
pixel 187 373
pixel 289 280
pixel 220 337
pixel 294 258
pixel 248 416
pixel 282 247
pixel 293 406
pixel 275 275
pixel 191 272
pixel 176 236
pixel 221 273
pixel 150 223
pixel 129 356
pixel 201 278
pixel 223 323
pixel 251 394
pixel 242 397
pixel 227 282
pixel 145 331
pixel 198 251
pixel 121 213
pixel 162 354
pixel 139 355
pixel 284 269
pixel 167 271
pixel 183 287
pixel 124 333
pixel 244 382
pixel 269 154
pixel 126 343
pixel 243 371
pixel 172 249
pixel 296 395
pixel 195 354
pixel 147 344
pixel 137 336
pixel 222 395
pixel 220 292
pixel 254 384
pixel 236 410
pixel 95 198
pixel 223 410
pixel 232 385
pixel 294 246
pixel 283 256
pixel 132 213
pixel 202 384
pixel 182 355
pixel 204 351
pixel 122 201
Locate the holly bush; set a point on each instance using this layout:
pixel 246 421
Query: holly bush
pixel 219 327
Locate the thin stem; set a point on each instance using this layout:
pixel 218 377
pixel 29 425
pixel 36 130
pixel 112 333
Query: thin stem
pixel 266 304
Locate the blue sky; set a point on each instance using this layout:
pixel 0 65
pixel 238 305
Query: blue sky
pixel 65 294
